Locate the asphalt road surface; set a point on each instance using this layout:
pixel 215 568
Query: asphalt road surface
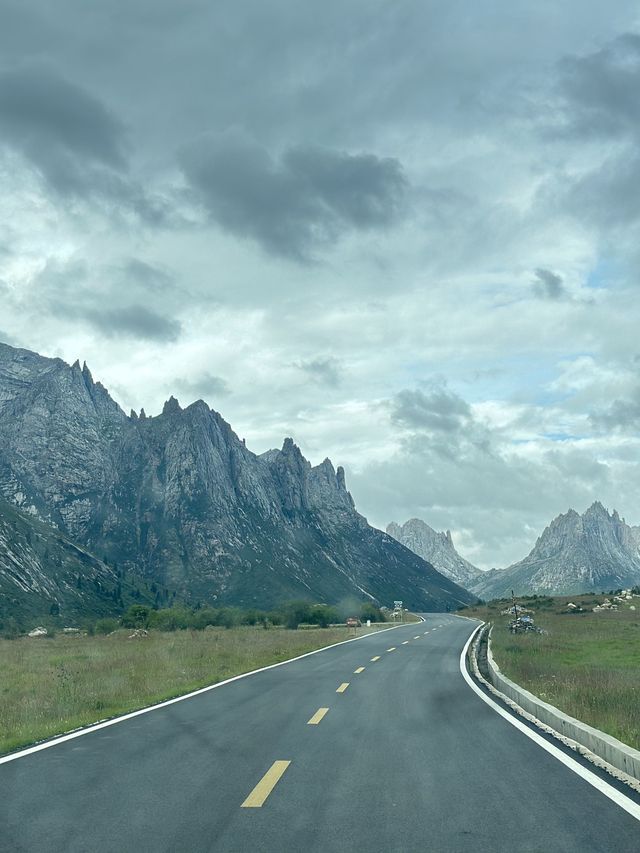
pixel 406 758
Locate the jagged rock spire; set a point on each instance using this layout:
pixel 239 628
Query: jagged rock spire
pixel 172 406
pixel 88 378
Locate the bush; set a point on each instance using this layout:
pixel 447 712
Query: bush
pixel 172 619
pixel 370 611
pixel 106 625
pixel 204 617
pixel 253 617
pixel 323 615
pixel 137 616
pixel 295 612
pixel 229 617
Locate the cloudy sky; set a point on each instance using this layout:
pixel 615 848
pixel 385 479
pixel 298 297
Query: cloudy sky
pixel 405 234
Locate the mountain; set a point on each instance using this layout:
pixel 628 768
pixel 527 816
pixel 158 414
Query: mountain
pixel 42 572
pixel 436 548
pixel 592 552
pixel 179 499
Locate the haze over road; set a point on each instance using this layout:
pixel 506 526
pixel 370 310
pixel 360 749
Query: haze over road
pixel 377 744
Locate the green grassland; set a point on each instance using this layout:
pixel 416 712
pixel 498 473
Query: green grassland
pixel 56 684
pixel 587 664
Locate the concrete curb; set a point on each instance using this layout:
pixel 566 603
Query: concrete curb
pixel 610 750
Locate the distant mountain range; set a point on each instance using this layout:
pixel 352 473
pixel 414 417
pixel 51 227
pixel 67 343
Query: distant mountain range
pixel 592 552
pixel 437 549
pixel 179 502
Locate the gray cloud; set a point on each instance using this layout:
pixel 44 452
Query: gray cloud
pixel 296 204
pixel 439 410
pixel 600 89
pixel 132 321
pixel 548 285
pixel 325 371
pixel 598 102
pixel 608 196
pixel 74 142
pixel 365 191
pixel 148 276
pixel 205 386
pixel 108 298
pixel 621 414
pixel 62 129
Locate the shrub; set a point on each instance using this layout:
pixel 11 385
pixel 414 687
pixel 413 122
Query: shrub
pixel 322 615
pixel 295 612
pixel 370 611
pixel 172 619
pixel 106 625
pixel 204 617
pixel 229 617
pixel 137 616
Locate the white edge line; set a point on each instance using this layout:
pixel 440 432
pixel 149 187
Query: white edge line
pixel 601 785
pixel 103 725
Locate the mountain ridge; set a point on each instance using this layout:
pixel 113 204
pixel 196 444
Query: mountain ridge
pixel 593 552
pixel 180 500
pixel 437 548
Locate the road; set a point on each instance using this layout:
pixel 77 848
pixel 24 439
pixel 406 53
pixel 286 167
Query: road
pixel 406 758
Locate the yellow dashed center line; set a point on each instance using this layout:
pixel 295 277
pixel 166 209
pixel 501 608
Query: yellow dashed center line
pixel 392 649
pixel 342 687
pixel 319 714
pixel 266 785
pixel 377 657
pixel 358 670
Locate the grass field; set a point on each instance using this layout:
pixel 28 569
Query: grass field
pixel 53 685
pixel 587 664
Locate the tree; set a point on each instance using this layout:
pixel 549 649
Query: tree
pixel 106 625
pixel 137 616
pixel 295 612
pixel 323 615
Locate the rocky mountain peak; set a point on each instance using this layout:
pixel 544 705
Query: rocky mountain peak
pixel 591 552
pixel 171 407
pixel 435 547
pixel 341 479
pixel 596 510
pixel 181 501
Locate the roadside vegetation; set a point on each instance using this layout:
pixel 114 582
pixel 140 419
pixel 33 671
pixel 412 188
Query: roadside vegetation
pixel 291 614
pixel 586 663
pixel 59 682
